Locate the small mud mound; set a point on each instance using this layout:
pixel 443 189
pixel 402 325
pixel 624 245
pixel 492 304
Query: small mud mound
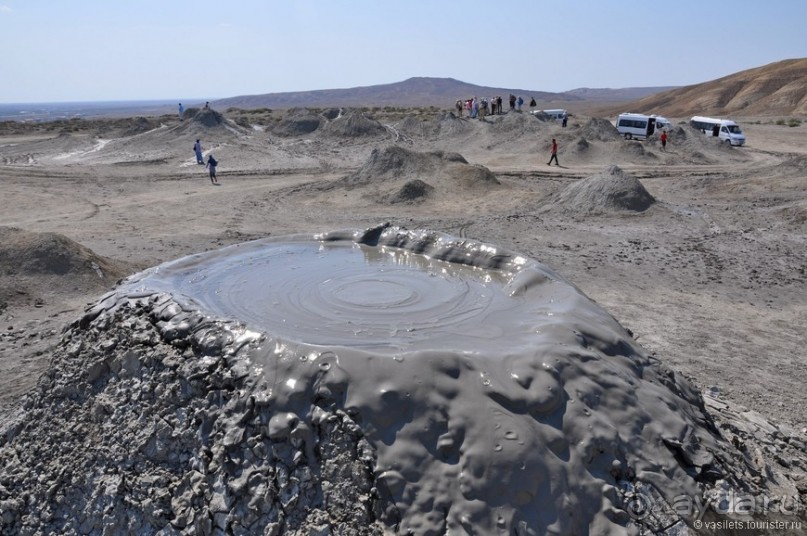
pixel 679 134
pixel 398 163
pixel 208 118
pixel 697 157
pixel 610 191
pixel 695 147
pixel 412 192
pixel 395 174
pixel 297 122
pixel 515 122
pixel 33 264
pixel 635 149
pixel 582 146
pixel 331 113
pixel 354 124
pixel 25 253
pixel 600 129
pixel 449 125
pixel 415 127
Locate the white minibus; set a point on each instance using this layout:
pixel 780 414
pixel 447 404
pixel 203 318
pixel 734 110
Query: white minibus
pixel 635 125
pixel 725 129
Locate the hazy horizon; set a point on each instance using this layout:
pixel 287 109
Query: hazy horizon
pixel 96 51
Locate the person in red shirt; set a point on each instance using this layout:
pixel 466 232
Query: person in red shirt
pixel 663 140
pixel 554 153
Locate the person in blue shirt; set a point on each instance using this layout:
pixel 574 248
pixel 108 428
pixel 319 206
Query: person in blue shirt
pixel 197 148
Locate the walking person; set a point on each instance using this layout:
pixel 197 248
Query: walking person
pixel 211 166
pixel 554 154
pixel 197 148
pixel 663 140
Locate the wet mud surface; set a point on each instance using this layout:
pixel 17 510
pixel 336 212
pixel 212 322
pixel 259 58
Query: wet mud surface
pixel 492 394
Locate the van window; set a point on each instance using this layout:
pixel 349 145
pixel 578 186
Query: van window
pixel 700 125
pixel 735 129
pixel 633 123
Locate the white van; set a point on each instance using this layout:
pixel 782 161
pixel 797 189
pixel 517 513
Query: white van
pixel 556 114
pixel 638 126
pixel 662 123
pixel 725 129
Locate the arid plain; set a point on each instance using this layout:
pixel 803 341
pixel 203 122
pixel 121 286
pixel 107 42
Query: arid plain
pixel 710 278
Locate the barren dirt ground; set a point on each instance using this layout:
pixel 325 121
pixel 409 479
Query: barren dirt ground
pixel 711 278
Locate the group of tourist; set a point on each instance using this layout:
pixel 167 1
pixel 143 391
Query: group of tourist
pixel 476 108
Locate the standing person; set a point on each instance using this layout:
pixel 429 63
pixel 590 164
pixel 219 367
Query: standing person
pixel 458 105
pixel 565 119
pixel 197 148
pixel 532 102
pixel 181 111
pixel 211 165
pixel 498 104
pixel 554 153
pixel 512 102
pixel 519 102
pixel 663 140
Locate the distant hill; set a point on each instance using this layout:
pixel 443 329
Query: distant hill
pixel 418 91
pixel 616 95
pixel 426 91
pixel 776 89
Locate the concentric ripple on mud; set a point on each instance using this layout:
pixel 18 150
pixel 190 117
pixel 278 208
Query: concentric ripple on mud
pixel 344 293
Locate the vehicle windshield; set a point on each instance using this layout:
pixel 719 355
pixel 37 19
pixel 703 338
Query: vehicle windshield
pixel 734 129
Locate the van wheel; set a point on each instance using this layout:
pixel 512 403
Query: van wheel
pixel 728 142
pixel 628 136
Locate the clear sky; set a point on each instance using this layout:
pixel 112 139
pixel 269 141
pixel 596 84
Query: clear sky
pixel 89 50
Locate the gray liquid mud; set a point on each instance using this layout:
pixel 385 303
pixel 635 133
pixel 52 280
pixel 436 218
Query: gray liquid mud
pixel 360 296
pixel 498 397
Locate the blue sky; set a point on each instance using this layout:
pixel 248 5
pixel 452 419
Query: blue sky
pixel 86 50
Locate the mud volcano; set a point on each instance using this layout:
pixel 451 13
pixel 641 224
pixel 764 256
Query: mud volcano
pixel 384 381
pixel 610 191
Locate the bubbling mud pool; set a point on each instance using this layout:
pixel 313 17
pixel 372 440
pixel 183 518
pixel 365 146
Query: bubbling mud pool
pixel 497 397
pixel 342 292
